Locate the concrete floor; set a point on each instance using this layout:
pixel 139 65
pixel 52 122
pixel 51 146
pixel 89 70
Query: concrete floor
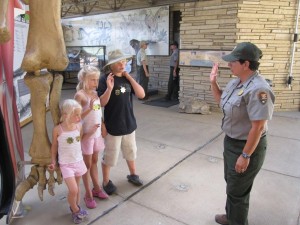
pixel 180 161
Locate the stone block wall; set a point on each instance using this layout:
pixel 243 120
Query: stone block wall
pixel 219 25
pixel 271 27
pixel 206 25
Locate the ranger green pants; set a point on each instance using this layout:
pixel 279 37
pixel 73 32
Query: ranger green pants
pixel 239 185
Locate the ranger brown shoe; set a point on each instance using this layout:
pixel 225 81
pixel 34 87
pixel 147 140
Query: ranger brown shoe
pixel 221 219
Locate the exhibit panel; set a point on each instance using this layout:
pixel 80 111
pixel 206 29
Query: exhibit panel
pixel 116 30
pixel 22 91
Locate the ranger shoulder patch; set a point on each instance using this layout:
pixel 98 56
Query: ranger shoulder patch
pixel 263 97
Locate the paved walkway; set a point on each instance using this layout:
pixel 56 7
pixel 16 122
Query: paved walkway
pixel 180 161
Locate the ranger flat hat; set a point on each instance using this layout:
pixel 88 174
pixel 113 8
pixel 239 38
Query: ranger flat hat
pixel 116 56
pixel 245 51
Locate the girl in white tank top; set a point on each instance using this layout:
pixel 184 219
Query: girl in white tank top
pixel 66 146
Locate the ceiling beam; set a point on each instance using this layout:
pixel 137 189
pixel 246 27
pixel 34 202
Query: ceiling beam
pixel 92 7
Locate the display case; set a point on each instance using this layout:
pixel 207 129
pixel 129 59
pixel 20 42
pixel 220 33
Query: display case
pixel 85 55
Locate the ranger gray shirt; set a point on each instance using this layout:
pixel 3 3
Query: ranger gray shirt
pixel 141 56
pixel 174 57
pixel 245 102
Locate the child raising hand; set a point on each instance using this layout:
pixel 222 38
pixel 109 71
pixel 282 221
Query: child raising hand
pixel 93 143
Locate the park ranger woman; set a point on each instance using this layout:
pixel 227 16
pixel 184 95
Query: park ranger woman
pixel 247 103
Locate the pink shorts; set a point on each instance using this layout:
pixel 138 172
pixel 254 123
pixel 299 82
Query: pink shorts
pixel 91 145
pixel 76 169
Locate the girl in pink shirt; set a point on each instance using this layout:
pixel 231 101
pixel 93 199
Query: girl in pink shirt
pixel 91 115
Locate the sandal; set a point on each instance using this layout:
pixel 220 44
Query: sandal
pixel 90 203
pixel 100 194
pixel 134 179
pixel 76 219
pixel 81 214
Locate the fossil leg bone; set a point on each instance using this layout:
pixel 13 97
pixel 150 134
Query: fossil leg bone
pixel 45 44
pixel 27 184
pixel 40 149
pixel 42 181
pixel 51 182
pixel 4 33
pixel 59 178
pixel 45 49
pixel 54 98
pixel 55 112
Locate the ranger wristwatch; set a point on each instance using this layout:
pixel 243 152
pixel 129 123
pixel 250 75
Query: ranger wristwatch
pixel 246 156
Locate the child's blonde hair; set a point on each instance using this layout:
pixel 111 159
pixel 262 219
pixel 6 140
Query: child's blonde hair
pixel 67 108
pixel 85 72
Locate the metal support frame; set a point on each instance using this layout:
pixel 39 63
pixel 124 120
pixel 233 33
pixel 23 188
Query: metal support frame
pixel 73 8
pixel 295 40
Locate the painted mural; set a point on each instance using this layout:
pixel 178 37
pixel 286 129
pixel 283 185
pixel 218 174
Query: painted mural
pixel 116 30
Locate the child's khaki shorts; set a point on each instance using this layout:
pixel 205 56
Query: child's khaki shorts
pixel 113 145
